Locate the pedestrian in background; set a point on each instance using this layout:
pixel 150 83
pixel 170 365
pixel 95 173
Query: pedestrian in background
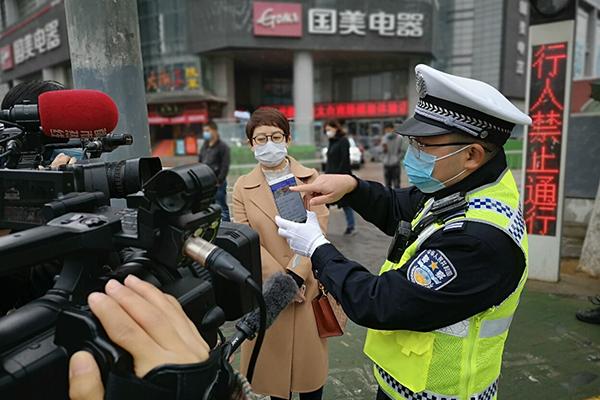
pixel 590 315
pixel 215 154
pixel 338 161
pixel 393 150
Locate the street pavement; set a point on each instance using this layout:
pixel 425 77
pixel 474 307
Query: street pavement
pixel 549 354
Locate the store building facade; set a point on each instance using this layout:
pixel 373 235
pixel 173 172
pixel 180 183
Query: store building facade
pixel 315 60
pixel 34 43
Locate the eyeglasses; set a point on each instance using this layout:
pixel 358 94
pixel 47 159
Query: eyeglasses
pixel 418 146
pixel 276 137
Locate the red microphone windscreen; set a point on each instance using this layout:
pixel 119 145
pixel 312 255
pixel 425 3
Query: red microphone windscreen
pixel 77 113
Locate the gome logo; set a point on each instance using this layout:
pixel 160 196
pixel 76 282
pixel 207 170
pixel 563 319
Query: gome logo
pixel 270 19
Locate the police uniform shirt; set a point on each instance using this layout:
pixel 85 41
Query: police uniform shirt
pixel 485 264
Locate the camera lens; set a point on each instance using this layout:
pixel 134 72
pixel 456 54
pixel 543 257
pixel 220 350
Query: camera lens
pixel 187 187
pixel 128 176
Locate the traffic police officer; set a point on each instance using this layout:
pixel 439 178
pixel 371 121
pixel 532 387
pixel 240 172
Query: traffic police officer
pixel 440 310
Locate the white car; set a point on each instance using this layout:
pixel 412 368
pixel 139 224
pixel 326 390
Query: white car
pixel 356 156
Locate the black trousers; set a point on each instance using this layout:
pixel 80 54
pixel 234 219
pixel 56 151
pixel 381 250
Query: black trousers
pixel 316 395
pixel 391 174
pixel 381 395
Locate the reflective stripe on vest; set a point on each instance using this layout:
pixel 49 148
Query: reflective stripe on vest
pixel 487 394
pixel 489 328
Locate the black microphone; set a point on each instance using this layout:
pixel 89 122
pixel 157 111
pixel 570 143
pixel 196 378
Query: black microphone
pixel 23 114
pixel 279 291
pixel 108 142
pixel 217 260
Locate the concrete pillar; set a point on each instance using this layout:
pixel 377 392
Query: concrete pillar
pixel 4 88
pixel 303 97
pixel 12 12
pixel 104 39
pixel 224 84
pixel 48 74
pixel 56 73
pixel 589 261
pixel 411 87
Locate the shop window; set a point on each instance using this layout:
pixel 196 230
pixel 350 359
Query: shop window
pixel 277 90
pixel 162 28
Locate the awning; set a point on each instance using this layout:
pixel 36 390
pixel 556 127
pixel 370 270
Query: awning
pixel 188 117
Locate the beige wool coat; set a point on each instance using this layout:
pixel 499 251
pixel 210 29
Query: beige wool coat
pixel 293 357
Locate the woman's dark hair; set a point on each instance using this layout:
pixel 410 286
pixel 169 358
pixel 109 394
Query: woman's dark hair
pixel 269 117
pixel 29 91
pixel 334 123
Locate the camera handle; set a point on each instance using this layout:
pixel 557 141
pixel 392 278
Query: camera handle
pixel 78 329
pixel 80 276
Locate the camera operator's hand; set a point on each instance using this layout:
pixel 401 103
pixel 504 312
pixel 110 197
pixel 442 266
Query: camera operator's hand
pixel 326 189
pixel 61 159
pixel 147 323
pixel 84 378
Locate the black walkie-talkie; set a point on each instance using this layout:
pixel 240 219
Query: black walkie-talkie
pixel 402 239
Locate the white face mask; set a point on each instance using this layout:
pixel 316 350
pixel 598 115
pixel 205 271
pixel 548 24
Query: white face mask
pixel 330 133
pixel 270 154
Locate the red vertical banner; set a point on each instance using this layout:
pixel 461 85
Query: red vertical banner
pixel 544 138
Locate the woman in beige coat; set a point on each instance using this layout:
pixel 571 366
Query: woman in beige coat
pixel 293 357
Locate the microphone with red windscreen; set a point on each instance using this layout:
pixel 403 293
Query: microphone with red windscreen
pixel 68 114
pixel 77 113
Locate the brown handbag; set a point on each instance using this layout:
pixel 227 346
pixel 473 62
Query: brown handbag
pixel 331 319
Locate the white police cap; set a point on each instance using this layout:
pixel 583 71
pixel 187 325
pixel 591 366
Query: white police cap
pixel 449 103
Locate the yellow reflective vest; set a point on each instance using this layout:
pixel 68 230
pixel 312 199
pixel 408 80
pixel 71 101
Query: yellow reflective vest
pixel 461 361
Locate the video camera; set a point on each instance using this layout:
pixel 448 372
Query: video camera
pixel 41 130
pixel 169 234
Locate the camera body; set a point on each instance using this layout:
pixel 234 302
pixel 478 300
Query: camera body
pixel 66 215
pixel 24 192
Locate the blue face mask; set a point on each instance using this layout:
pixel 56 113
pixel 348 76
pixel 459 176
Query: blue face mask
pixel 206 135
pixel 420 169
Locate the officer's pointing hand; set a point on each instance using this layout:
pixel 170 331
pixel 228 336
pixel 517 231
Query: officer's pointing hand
pixel 326 189
pixel 302 238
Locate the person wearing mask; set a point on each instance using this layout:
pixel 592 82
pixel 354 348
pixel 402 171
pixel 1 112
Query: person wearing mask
pixel 215 153
pixel 293 357
pixel 338 162
pixel 440 310
pixel 393 151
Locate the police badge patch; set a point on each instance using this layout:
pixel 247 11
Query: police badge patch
pixel 431 269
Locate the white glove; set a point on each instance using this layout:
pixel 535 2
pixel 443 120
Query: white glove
pixel 302 238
